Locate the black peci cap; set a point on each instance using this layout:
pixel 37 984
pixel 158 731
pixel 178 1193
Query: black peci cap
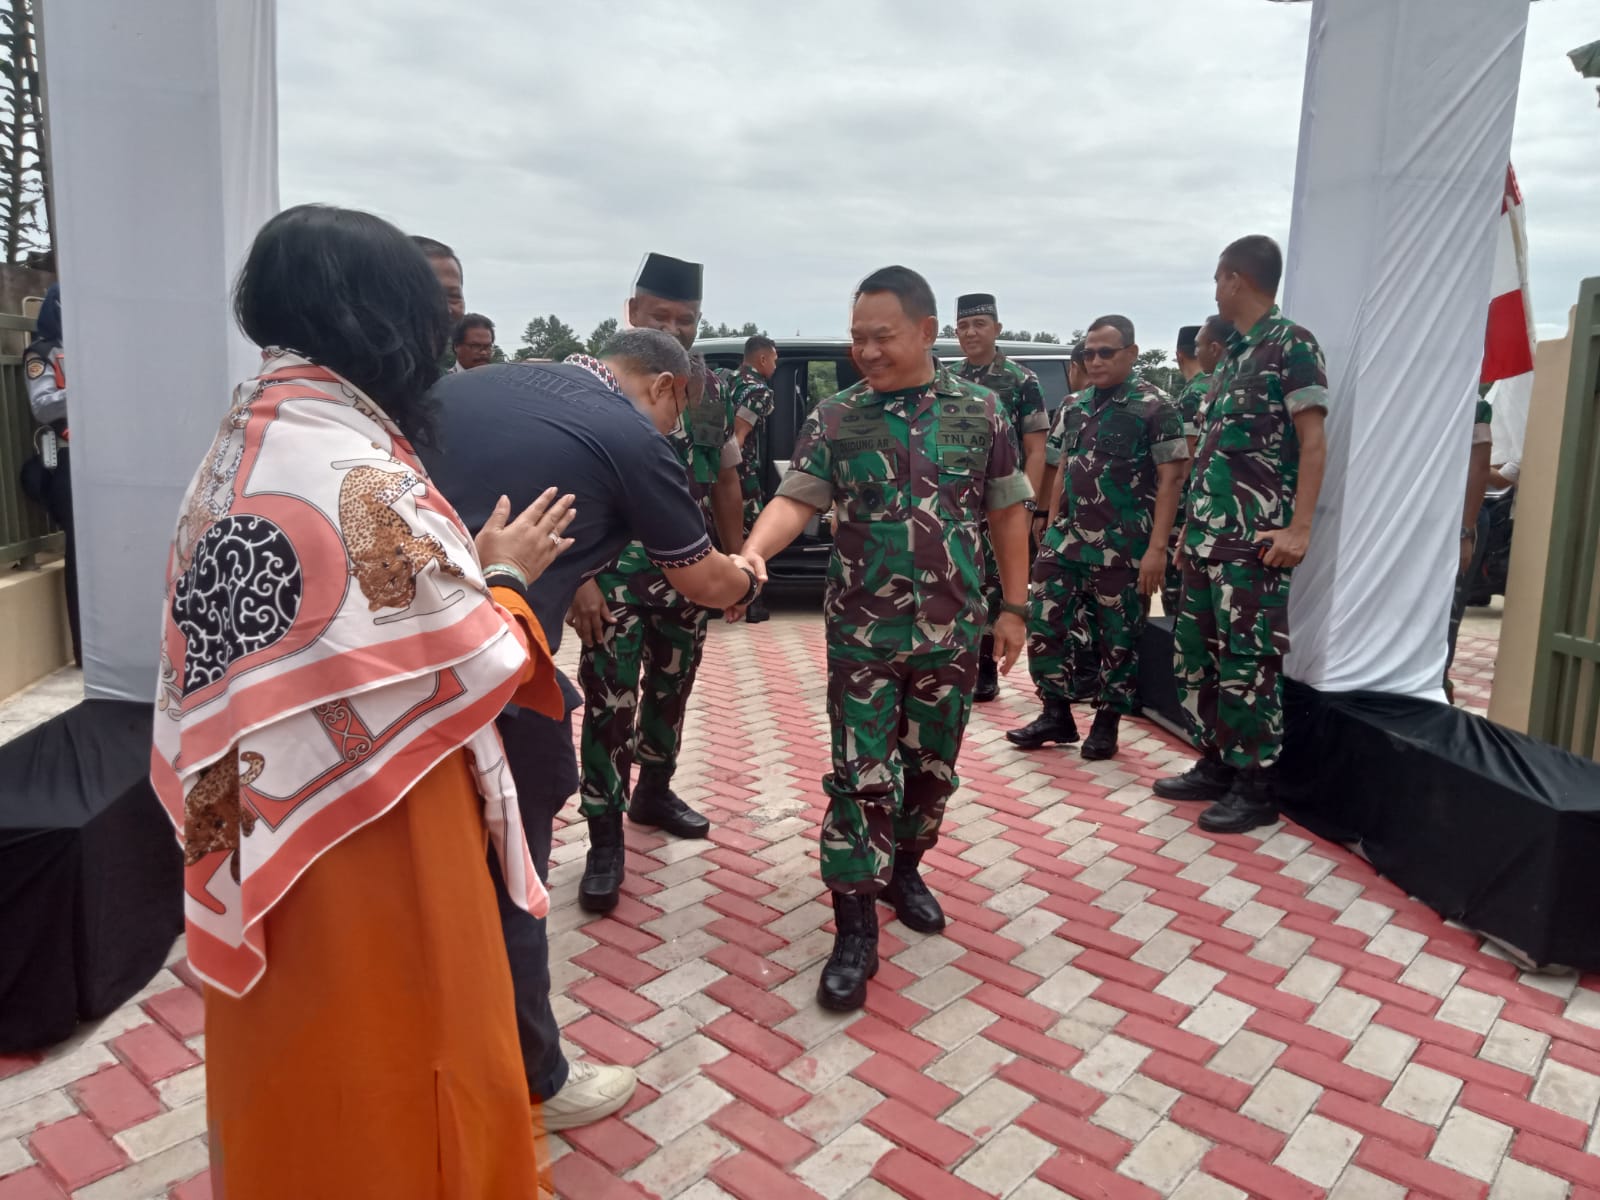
pixel 1187 336
pixel 976 304
pixel 670 278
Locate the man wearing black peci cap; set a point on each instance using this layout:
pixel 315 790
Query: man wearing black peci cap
pixel 1020 403
pixel 642 639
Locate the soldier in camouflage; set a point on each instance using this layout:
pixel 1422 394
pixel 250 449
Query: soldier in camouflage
pixel 1199 348
pixel 1021 403
pixel 911 460
pixel 750 394
pixel 641 639
pixel 1252 496
pixel 1123 457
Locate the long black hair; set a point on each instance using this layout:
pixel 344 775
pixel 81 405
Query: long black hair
pixel 352 293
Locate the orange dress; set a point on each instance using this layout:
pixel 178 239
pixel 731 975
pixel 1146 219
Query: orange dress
pixel 378 1055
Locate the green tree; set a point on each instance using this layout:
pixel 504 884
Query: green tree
pixel 497 355
pixel 26 208
pixel 601 335
pixel 949 331
pixel 548 337
pixel 1051 338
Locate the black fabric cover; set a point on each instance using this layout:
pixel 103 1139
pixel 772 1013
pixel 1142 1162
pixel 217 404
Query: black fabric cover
pixel 1489 827
pixel 1158 689
pixel 91 878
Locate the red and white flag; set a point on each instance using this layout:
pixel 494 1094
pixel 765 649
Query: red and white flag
pixel 1508 343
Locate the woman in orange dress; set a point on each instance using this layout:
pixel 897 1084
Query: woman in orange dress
pixel 336 648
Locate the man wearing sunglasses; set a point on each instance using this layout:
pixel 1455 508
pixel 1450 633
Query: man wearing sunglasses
pixel 1123 457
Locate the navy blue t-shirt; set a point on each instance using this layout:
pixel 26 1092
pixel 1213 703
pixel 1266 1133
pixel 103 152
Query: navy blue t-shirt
pixel 514 429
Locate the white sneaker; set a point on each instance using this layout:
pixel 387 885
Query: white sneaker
pixel 590 1093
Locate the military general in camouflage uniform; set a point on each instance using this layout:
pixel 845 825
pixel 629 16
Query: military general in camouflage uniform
pixel 1021 404
pixel 750 394
pixel 1199 348
pixel 641 639
pixel 1252 496
pixel 1124 457
pixel 911 460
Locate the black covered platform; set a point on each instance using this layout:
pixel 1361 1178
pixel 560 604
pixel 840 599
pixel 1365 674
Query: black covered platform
pixel 91 877
pixel 1490 828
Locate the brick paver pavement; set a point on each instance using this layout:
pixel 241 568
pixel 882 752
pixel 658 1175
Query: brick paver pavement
pixel 1122 1006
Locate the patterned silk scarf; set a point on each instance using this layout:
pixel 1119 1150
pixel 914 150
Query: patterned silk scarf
pixel 328 639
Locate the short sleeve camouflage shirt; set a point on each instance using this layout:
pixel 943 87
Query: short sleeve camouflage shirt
pixel 752 400
pixel 1111 444
pixel 910 476
pixel 1016 389
pixel 1190 400
pixel 1248 459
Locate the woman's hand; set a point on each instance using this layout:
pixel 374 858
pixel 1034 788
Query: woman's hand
pixel 532 541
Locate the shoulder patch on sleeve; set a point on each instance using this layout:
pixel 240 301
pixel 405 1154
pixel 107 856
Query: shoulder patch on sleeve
pixel 35 368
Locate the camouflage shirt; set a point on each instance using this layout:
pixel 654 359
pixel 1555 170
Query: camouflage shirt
pixel 702 441
pixel 752 400
pixel 910 475
pixel 1016 391
pixel 1248 460
pixel 1190 400
pixel 1110 444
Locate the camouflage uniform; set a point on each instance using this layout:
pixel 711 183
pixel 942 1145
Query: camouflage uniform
pixel 1189 406
pixel 656 640
pixel 751 399
pixel 1020 403
pixel 1233 623
pixel 910 475
pixel 1086 597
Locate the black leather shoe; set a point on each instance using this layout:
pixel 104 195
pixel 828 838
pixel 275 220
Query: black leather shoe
pixel 1249 804
pixel 1208 780
pixel 757 612
pixel 843 987
pixel 1102 739
pixel 988 687
pixel 1054 724
pixel 604 869
pixel 655 804
pixel 913 903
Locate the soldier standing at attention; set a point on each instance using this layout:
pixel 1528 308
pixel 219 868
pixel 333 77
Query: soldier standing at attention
pixel 1196 379
pixel 753 402
pixel 1252 496
pixel 911 459
pixel 1123 458
pixel 641 638
pixel 1021 405
pixel 1077 380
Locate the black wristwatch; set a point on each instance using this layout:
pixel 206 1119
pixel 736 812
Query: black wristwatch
pixel 755 586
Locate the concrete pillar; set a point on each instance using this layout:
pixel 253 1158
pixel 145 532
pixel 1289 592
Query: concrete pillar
pixel 163 141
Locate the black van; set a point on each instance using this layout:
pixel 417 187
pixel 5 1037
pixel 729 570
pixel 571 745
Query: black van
pixel 812 369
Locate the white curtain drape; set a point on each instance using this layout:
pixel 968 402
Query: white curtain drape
pixel 163 140
pixel 1405 132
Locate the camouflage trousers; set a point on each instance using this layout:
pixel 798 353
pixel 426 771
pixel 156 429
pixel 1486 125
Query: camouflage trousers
pixel 1231 635
pixel 1084 626
pixel 750 489
pixel 658 648
pixel 897 724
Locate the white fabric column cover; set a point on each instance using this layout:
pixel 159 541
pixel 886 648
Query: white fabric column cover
pixel 163 139
pixel 1405 133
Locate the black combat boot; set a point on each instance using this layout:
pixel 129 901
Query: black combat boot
pixel 1208 780
pixel 757 612
pixel 605 866
pixel 1249 804
pixel 913 903
pixel 854 960
pixel 988 687
pixel 1102 739
pixel 1054 724
pixel 656 804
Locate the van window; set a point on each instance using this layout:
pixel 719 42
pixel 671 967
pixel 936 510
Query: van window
pixel 1052 373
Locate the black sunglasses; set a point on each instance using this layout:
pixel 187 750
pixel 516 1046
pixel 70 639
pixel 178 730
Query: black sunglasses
pixel 1102 352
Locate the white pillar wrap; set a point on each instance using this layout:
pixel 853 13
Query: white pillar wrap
pixel 1405 133
pixel 163 139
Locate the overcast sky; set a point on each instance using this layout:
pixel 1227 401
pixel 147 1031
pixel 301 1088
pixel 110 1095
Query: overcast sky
pixel 1072 158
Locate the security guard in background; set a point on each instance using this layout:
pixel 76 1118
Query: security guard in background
pixel 1020 402
pixel 47 477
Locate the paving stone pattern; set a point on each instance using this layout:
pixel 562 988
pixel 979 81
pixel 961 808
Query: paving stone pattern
pixel 1122 1006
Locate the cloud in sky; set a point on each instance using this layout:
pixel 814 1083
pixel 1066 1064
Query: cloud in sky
pixel 1072 159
